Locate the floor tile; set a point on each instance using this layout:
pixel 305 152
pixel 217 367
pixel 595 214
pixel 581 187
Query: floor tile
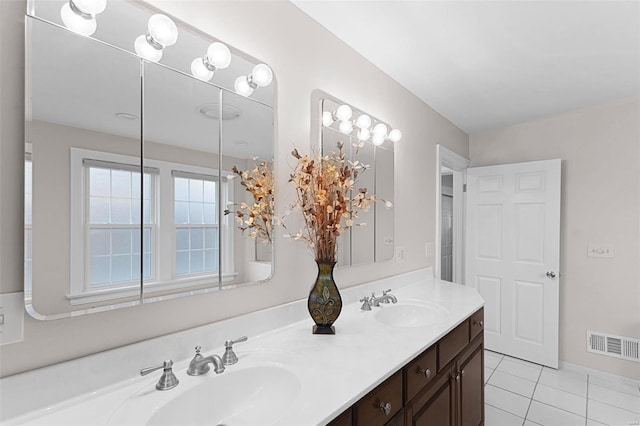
pixel 567 381
pixel 491 360
pixel 632 387
pixel 488 372
pixel 610 415
pixel 561 399
pixel 496 417
pixel 519 368
pixel 615 398
pixel 514 384
pixel 552 416
pixel 507 401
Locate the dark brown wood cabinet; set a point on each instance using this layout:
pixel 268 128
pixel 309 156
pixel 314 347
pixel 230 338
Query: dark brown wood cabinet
pixel 444 385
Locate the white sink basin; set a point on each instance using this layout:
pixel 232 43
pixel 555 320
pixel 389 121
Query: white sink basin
pixel 257 395
pixel 408 314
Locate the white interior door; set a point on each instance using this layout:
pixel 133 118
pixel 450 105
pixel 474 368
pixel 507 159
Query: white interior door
pixel 512 256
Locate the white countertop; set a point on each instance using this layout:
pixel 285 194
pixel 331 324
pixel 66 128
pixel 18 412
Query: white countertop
pixel 333 371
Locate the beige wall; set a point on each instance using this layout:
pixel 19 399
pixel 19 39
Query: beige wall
pixel 600 149
pixel 304 57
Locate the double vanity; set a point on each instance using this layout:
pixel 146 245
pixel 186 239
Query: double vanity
pixel 417 361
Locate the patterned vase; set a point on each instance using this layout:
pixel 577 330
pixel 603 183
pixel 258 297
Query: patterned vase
pixel 324 301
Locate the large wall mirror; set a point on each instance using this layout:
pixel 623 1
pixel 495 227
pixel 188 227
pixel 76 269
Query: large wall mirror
pixel 138 168
pixel 371 142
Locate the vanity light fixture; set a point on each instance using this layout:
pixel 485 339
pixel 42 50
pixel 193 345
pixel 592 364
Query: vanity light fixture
pixel 378 135
pixel 261 76
pixel 162 33
pixel 346 127
pixel 218 57
pixel 327 119
pixel 80 15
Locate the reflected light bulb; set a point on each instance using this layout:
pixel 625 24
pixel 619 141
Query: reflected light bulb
pixel 364 134
pixel 218 55
pixel 241 86
pixel 346 127
pixel 344 113
pixel 380 129
pixel 262 75
pixel 327 119
pixel 395 135
pixel 145 50
pixel 163 30
pixel 91 7
pixel 200 71
pixel 377 139
pixel 363 121
pixel 77 23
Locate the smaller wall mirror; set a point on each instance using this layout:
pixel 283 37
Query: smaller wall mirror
pixel 369 141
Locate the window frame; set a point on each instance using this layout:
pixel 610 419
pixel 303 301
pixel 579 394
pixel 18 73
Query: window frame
pixel 162 211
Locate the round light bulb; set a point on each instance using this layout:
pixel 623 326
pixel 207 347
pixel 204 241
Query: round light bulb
pixel 218 55
pixel 344 113
pixel 262 75
pixel 77 23
pixel 145 50
pixel 346 127
pixel 327 119
pixel 91 7
pixel 395 135
pixel 363 121
pixel 377 139
pixel 364 134
pixel 241 86
pixel 200 71
pixel 163 30
pixel 380 129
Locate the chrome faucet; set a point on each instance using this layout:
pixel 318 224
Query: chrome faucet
pixel 385 298
pixel 168 380
pixel 230 357
pixel 200 364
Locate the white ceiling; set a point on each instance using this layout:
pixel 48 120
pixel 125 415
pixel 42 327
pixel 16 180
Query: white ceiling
pixel 487 64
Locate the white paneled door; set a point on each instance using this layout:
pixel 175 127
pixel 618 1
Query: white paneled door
pixel 512 256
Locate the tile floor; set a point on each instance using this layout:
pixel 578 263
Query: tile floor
pixel 520 393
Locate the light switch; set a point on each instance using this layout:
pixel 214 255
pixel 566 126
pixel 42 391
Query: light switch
pixel 399 255
pixel 11 317
pixel 430 249
pixel 600 250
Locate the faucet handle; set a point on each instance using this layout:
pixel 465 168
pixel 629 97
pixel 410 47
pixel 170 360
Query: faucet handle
pixel 384 292
pixel 168 380
pixel 229 356
pixel 366 304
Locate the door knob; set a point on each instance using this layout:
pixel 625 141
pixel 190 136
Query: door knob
pixel 551 274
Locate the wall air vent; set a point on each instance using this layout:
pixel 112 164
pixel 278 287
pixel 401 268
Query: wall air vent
pixel 614 346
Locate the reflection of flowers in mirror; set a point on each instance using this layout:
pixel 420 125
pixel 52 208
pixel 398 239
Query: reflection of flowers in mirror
pixel 256 216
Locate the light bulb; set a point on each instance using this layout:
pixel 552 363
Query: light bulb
pixel 363 121
pixel 241 86
pixel 77 23
pixel 145 50
pixel 346 127
pixel 377 139
pixel 380 129
pixel 344 113
pixel 262 75
pixel 163 30
pixel 91 7
pixel 395 135
pixel 364 134
pixel 218 55
pixel 327 119
pixel 200 71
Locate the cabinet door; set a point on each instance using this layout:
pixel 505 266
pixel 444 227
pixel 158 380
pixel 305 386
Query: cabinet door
pixel 438 410
pixel 471 387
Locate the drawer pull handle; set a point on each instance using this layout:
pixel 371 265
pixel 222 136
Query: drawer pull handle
pixel 426 372
pixel 480 323
pixel 386 407
pixel 458 377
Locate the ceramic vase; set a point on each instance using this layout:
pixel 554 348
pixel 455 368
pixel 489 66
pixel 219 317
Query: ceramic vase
pixel 324 301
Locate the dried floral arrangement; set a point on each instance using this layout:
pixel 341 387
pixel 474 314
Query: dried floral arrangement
pixel 256 217
pixel 327 198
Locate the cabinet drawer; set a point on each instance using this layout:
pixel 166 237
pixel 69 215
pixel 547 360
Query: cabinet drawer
pixel 452 344
pixel 369 411
pixel 420 372
pixel 476 323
